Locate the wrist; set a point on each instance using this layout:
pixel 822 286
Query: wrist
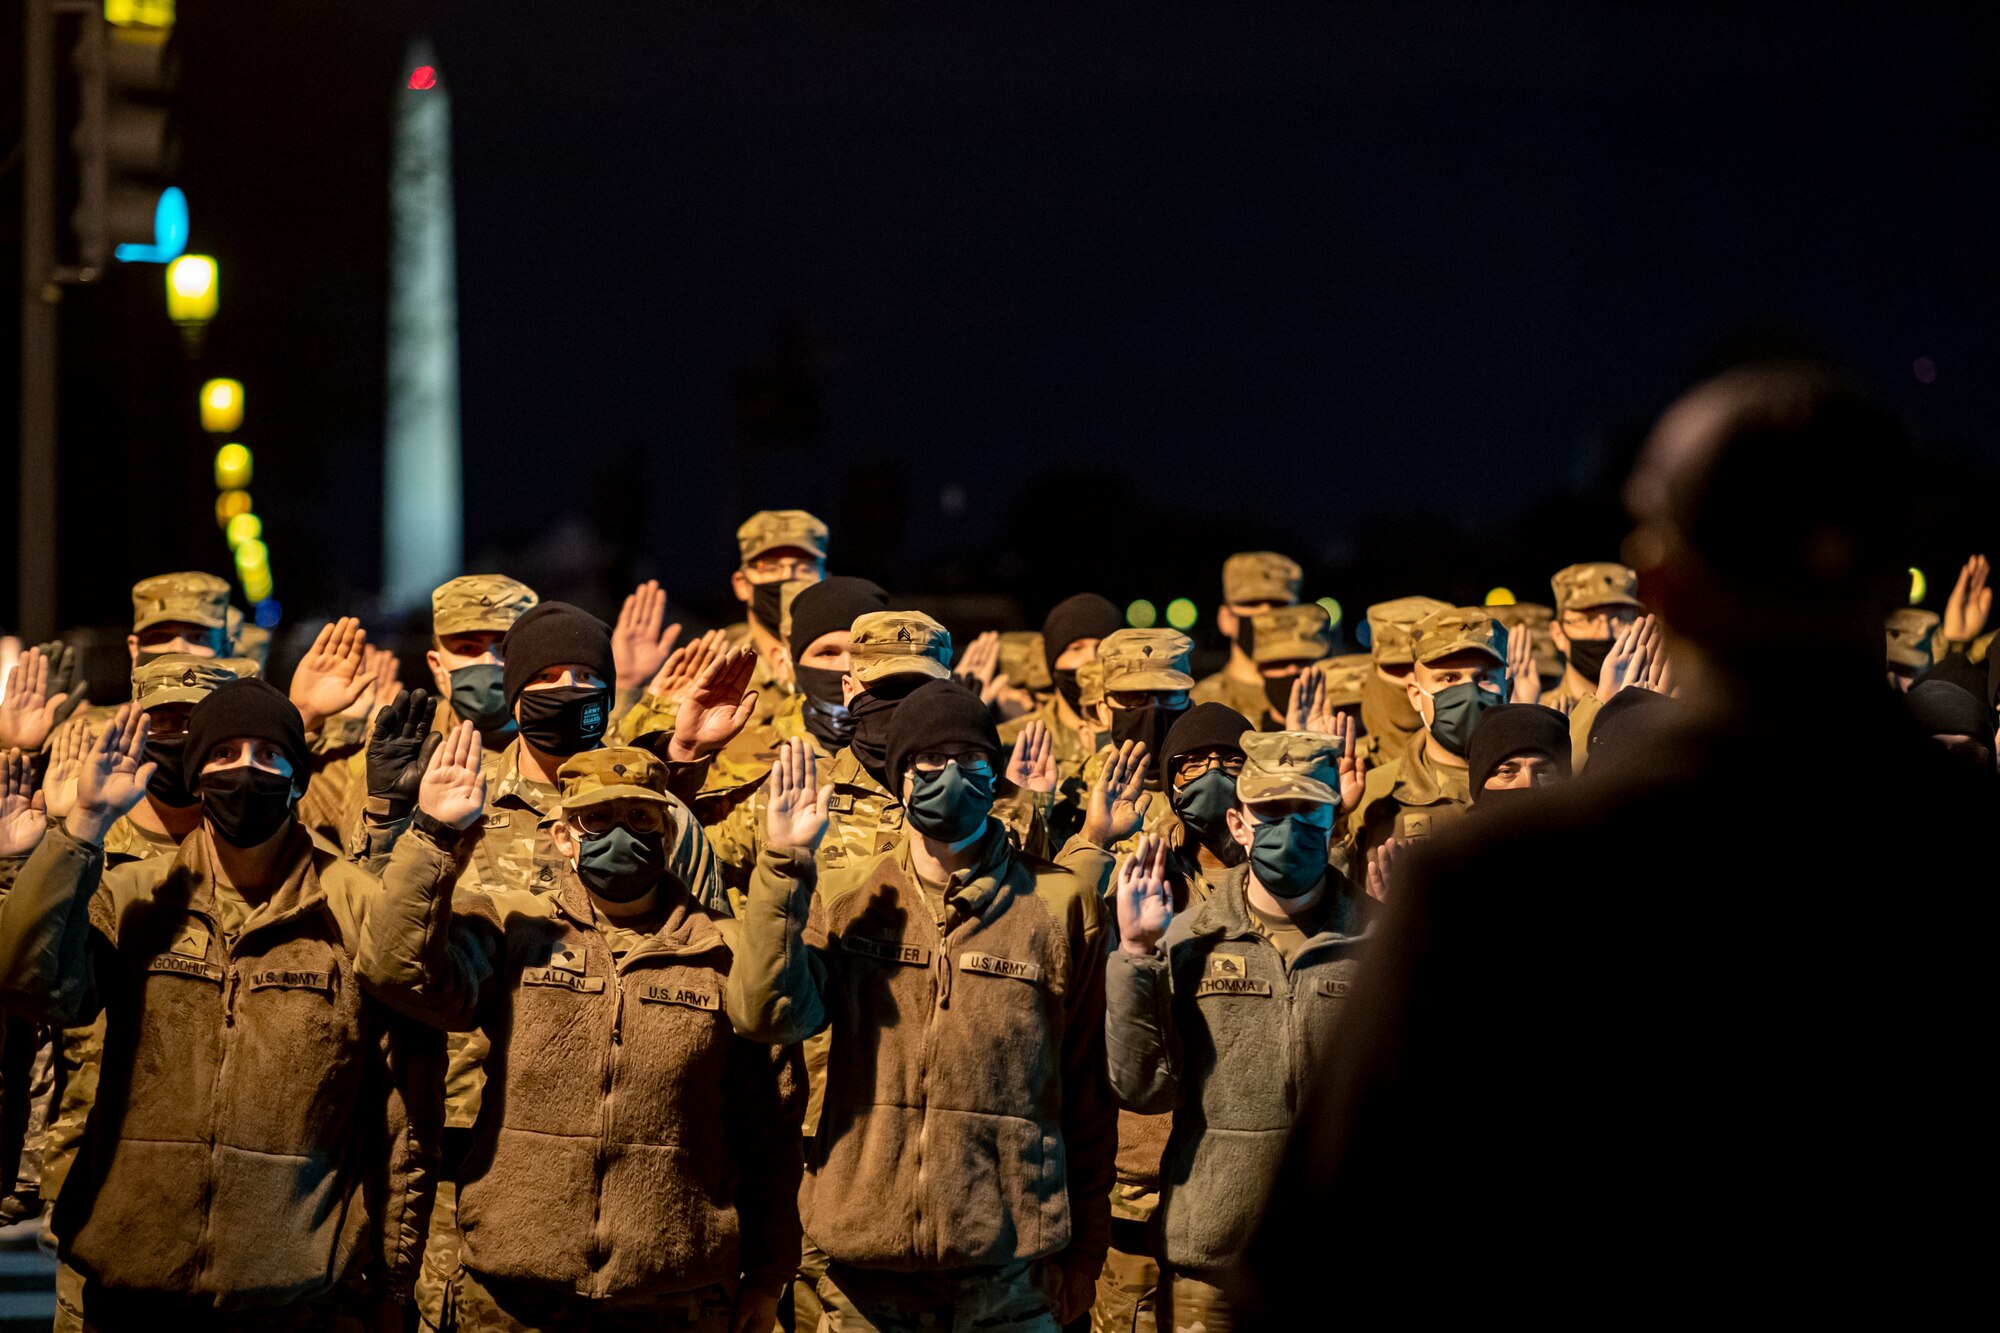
pixel 684 752
pixel 444 834
pixel 1135 948
pixel 89 825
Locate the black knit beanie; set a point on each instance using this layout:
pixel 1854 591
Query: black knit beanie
pixel 1942 708
pixel 1204 727
pixel 829 605
pixel 549 635
pixel 937 714
pixel 248 707
pixel 1627 711
pixel 1084 616
pixel 1513 729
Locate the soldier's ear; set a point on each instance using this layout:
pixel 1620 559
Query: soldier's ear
pixel 1226 621
pixel 132 647
pixel 1239 825
pixel 1560 639
pixel 559 837
pixel 741 584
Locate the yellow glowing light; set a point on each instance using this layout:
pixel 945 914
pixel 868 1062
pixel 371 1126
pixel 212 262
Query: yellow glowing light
pixel 1181 613
pixel 221 406
pixel 232 467
pixel 191 289
pixel 256 583
pixel 228 505
pixel 1919 586
pixel 139 13
pixel 1500 597
pixel 251 557
pixel 1142 614
pixel 1333 611
pixel 244 527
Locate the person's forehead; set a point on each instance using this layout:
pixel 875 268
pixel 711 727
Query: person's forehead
pixel 833 641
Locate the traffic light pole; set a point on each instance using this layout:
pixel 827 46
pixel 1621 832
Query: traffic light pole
pixel 36 527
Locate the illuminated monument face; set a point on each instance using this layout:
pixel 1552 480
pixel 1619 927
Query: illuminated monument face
pixel 420 479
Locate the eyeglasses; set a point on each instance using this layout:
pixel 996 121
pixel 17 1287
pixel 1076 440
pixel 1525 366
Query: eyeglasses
pixel 931 761
pixel 769 569
pixel 1599 624
pixel 594 821
pixel 1191 766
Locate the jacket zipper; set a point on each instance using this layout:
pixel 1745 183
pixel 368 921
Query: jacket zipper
pixel 940 1000
pixel 215 1087
pixel 599 1253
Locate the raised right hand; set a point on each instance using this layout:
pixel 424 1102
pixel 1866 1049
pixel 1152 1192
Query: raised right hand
pixel 113 777
pixel 795 812
pixel 1145 899
pixel 453 791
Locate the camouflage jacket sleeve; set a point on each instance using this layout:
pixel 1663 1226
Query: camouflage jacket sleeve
pixel 416 956
pixel 736 838
pixel 1026 815
pixel 47 950
pixel 1142 1046
pixel 1581 715
pixel 764 1091
pixel 694 863
pixel 777 982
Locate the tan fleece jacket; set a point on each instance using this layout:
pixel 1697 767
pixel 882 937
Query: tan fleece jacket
pixel 968 1119
pixel 262 1132
pixel 629 1143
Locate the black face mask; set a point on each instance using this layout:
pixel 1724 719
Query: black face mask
pixel 246 805
pixel 1278 693
pixel 767 602
pixel 1069 688
pixel 1149 724
pixel 168 785
pixel 1587 656
pixel 565 719
pixel 826 717
pixel 1502 799
pixel 872 711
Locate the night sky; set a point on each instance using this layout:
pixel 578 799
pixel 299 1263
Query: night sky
pixel 1028 298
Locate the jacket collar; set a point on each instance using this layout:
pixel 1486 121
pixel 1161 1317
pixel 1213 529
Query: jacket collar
pixel 1419 781
pixel 1226 910
pixel 506 784
pixel 300 892
pixel 848 772
pixel 687 930
pixel 971 890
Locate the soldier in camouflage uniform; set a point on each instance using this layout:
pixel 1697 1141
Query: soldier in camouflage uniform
pixel 775 547
pixel 1146 684
pixel 1253 582
pixel 1912 635
pixel 1386 714
pixel 1286 643
pixel 1204 755
pixel 1070 635
pixel 1213 1015
pixel 166 687
pixel 1346 679
pixel 1460 671
pixel 558 658
pixel 1593 603
pixel 470 615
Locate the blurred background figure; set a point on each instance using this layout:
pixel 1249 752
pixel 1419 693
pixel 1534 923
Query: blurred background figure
pixel 1654 1042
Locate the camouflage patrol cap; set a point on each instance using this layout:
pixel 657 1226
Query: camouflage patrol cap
pixel 253 644
pixel 892 643
pixel 614 773
pixel 1291 634
pixel 1389 627
pixel 1911 630
pixel 1145 659
pixel 193 597
pixel 1289 766
pixel 1345 675
pixel 1090 683
pixel 1599 584
pixel 1024 659
pixel 774 529
pixel 1260 576
pixel 1458 629
pixel 1537 618
pixel 472 603
pixel 183 678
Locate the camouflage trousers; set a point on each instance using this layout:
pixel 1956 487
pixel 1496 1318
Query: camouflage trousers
pixel 1007 1299
pixel 1196 1307
pixel 806 1306
pixel 489 1305
pixel 437 1280
pixel 1127 1288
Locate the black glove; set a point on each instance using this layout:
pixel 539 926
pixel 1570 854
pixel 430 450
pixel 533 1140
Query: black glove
pixel 397 750
pixel 62 678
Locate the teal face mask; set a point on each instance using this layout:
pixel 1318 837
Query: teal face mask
pixel 1456 710
pixel 1204 807
pixel 621 865
pixel 951 804
pixel 478 694
pixel 1288 856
